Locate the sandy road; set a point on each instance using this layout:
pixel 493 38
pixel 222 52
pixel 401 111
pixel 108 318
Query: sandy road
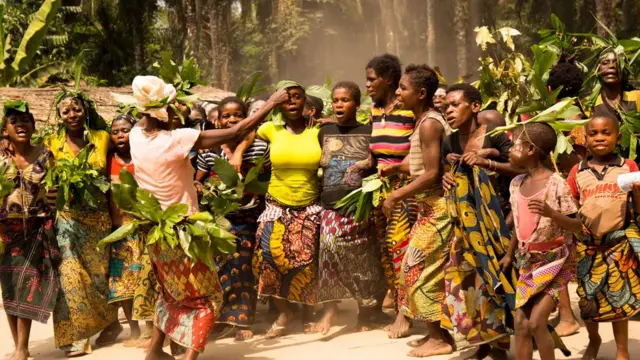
pixel 340 344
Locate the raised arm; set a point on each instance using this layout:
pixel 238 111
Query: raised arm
pixel 211 138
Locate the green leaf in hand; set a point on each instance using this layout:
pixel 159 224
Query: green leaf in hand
pixel 148 205
pixel 121 233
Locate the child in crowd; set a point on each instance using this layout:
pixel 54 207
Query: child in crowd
pixel 313 109
pixel 608 265
pixel 544 219
pixel 132 282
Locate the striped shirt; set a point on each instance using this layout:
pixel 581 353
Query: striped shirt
pixel 258 149
pixel 391 134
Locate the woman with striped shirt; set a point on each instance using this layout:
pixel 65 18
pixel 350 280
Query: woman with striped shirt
pixel 235 272
pixel 390 143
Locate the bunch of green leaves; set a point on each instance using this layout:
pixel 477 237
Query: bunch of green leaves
pixel 362 201
pixel 184 77
pixel 324 93
pixel 42 133
pixel 501 72
pixel 565 45
pixel 559 116
pixel 223 193
pixel 201 235
pixel 248 87
pixel 539 97
pixel 78 183
pixel 629 129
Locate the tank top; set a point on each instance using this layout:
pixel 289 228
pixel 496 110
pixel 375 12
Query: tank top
pixel 416 166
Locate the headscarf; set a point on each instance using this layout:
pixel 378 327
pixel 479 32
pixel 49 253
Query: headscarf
pixel 276 115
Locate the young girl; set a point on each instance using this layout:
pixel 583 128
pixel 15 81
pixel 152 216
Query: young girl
pixel 236 277
pixel 608 265
pixel 349 265
pixel 132 283
pixel 160 154
pixel 28 274
pixel 544 218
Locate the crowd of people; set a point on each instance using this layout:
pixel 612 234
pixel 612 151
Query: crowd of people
pixel 478 238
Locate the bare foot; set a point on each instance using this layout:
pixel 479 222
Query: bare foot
pixel 161 355
pixel 592 349
pixel 418 343
pixel 20 354
pixel 432 346
pixel 400 328
pixel 243 334
pixel 567 328
pixel 328 318
pixel 145 344
pixel 279 326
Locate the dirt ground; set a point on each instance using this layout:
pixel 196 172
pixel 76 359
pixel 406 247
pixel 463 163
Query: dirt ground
pixel 341 343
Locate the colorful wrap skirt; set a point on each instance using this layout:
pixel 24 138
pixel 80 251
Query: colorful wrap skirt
pixel 190 297
pixel 349 261
pixel 82 309
pixel 393 234
pixel 28 268
pixel 236 274
pixel 609 275
pixel 480 297
pixel 285 260
pixel 547 272
pixel 422 276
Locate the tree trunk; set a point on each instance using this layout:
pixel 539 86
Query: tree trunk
pixel 461 20
pixel 431 32
pixel 607 14
pixel 192 26
pixel 388 24
pixel 213 40
pixel 224 11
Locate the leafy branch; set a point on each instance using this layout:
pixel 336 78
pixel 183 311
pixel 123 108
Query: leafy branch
pixel 362 201
pixel 78 183
pixel 200 236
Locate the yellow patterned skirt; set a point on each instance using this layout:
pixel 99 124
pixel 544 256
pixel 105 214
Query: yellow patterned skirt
pixel 82 309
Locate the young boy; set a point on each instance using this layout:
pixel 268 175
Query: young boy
pixel 608 267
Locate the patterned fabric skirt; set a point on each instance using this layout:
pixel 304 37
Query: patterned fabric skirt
pixel 190 297
pixel 349 265
pixel 609 275
pixel 546 272
pixel 236 274
pixel 147 291
pixel 285 261
pixel 82 309
pixel 480 298
pixel 28 268
pixel 124 268
pixel 422 276
pixel 393 234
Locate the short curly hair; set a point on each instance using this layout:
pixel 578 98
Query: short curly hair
pixel 388 67
pixel 569 76
pixel 350 86
pixel 540 135
pixel 468 91
pixel 423 77
pixel 232 100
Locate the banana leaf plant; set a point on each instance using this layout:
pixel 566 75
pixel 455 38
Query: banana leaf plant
pixel 361 202
pixel 223 193
pixel 629 130
pixel 77 182
pixel 501 72
pixel 559 116
pixel 200 235
pixel 18 71
pixel 248 87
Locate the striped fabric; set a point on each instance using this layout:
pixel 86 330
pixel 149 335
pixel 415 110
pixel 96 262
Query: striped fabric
pixel 390 137
pixel 258 149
